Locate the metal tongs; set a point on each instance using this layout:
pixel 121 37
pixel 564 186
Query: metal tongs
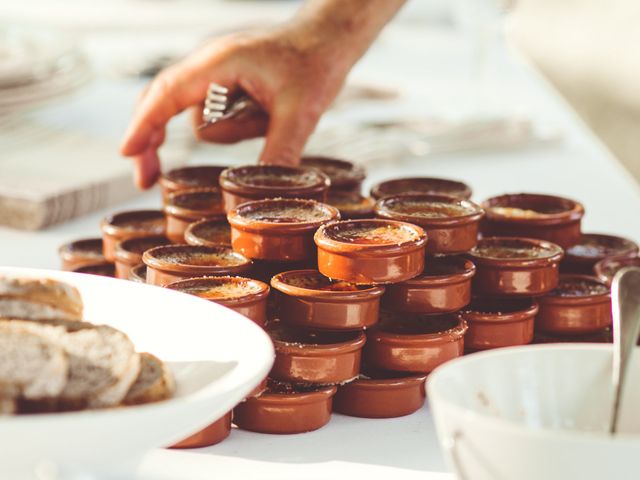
pixel 625 302
pixel 220 105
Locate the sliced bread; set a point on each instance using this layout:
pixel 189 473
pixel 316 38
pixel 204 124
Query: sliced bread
pixel 103 364
pixel 33 365
pixel 155 382
pixel 30 298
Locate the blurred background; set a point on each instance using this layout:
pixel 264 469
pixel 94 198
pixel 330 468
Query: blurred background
pixel 70 71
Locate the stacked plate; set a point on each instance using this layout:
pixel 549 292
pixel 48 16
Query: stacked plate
pixel 36 66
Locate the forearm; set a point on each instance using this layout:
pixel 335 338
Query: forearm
pixel 348 25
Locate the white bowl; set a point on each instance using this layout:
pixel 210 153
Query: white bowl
pixel 217 356
pixel 536 412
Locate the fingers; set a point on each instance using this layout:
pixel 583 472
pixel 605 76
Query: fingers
pixel 170 93
pixel 147 163
pixel 231 130
pixel 291 123
pixel 173 90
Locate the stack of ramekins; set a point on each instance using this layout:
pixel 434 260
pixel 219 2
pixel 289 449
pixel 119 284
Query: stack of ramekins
pixel 362 296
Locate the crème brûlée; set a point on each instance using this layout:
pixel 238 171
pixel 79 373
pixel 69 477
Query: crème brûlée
pixel 315 281
pixel 373 234
pixel 222 289
pixel 430 209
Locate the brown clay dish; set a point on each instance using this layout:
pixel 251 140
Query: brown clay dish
pixel 134 223
pixel 104 269
pixel 344 175
pixel 325 358
pixel 414 342
pixel 170 263
pixel 545 217
pixel 370 251
pixel 593 247
pixel 246 296
pixel 495 323
pixel 209 233
pixel 451 223
pixel 81 252
pixel 351 205
pixel 606 269
pixel 278 229
pixel 129 252
pixel 579 305
pixel 214 433
pixel 515 266
pixel 378 394
pixel 285 409
pixel 138 273
pixel 443 286
pixel 437 186
pixel 309 299
pixel 257 182
pixel 187 206
pixel 184 178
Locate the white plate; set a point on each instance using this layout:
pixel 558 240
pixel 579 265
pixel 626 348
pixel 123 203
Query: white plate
pixel 536 412
pixel 217 356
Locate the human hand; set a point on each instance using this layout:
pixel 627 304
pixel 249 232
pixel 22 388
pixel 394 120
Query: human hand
pixel 293 72
pixel 292 82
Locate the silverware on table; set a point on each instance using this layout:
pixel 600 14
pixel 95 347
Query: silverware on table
pixel 625 302
pixel 218 105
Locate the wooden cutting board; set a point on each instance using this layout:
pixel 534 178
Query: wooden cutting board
pixel 49 175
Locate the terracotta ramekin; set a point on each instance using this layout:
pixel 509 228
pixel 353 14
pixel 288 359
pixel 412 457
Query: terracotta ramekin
pixel 451 223
pixel 286 410
pixel 138 273
pixel 579 305
pixel 209 233
pixel 134 223
pixel 606 269
pixel 443 286
pixel 370 251
pixel 437 186
pixel 257 182
pixel 104 269
pixel 246 296
pixel 309 299
pixel 188 206
pixel 81 252
pixel 169 263
pixel 515 266
pixel 545 217
pixel 351 205
pixel 344 175
pixel 184 178
pixel 278 229
pixel 214 433
pixel 129 252
pixel 594 247
pixel 495 323
pixel 379 394
pixel 418 343
pixel 324 358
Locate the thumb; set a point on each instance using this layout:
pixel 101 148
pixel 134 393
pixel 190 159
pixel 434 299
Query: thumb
pixel 291 122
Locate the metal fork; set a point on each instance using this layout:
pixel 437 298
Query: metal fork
pixel 217 106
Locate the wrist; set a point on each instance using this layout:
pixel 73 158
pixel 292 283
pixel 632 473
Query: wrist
pixel 343 28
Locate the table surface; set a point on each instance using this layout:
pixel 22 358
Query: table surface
pixel 433 68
